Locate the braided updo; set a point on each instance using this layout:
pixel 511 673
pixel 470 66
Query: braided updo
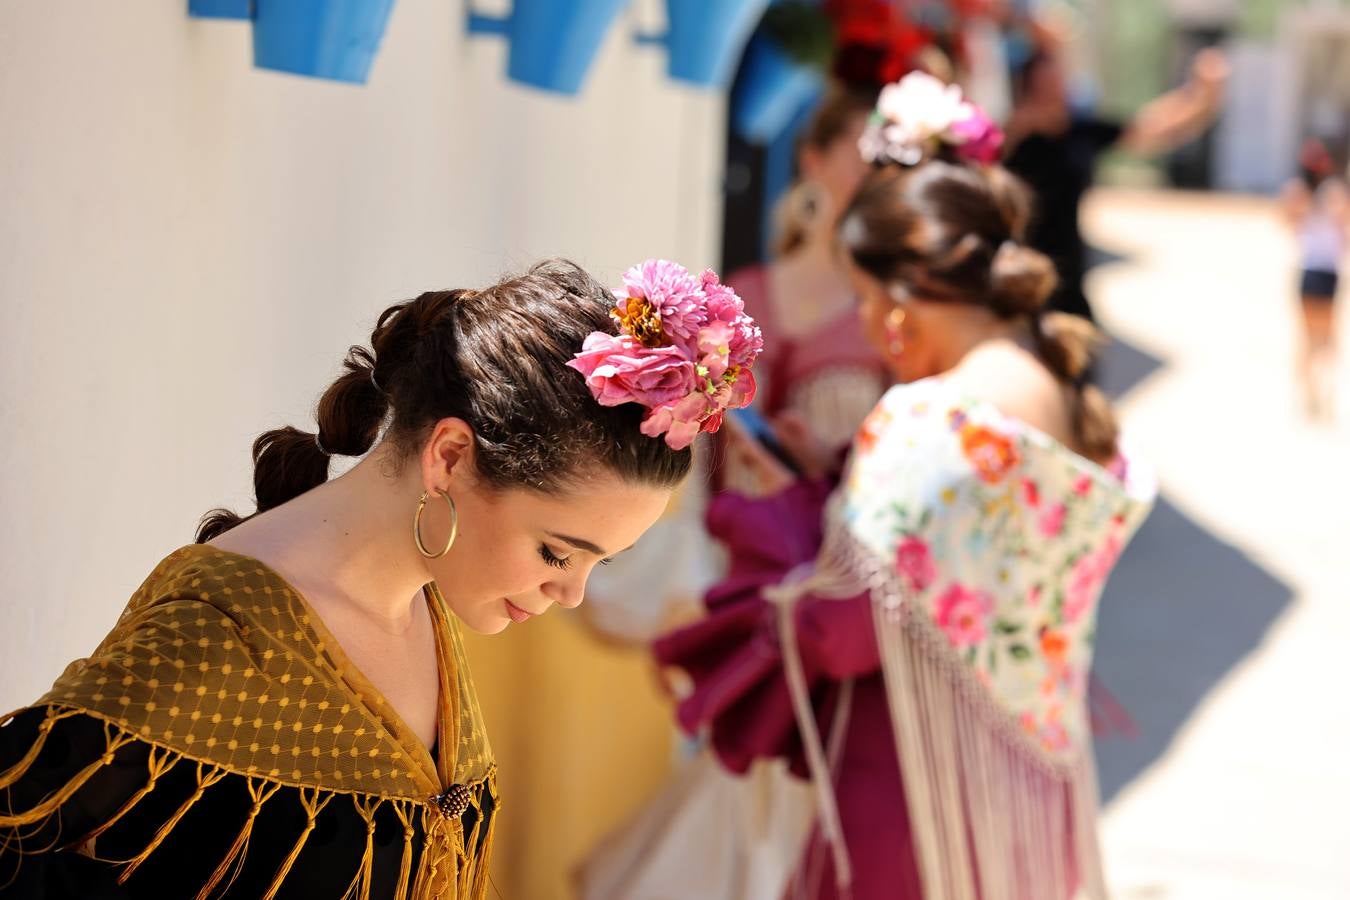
pixel 952 231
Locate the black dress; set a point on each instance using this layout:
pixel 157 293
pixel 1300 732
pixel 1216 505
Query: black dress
pixel 180 867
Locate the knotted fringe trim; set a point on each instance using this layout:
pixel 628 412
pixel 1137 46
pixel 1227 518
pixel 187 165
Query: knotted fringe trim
pixel 994 817
pixel 452 866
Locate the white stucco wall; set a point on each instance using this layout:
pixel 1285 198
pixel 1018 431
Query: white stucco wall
pixel 187 245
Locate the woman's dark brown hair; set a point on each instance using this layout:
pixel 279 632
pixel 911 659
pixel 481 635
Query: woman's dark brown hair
pixel 496 358
pixel 948 231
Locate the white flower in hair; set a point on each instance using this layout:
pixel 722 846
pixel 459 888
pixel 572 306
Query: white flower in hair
pixel 919 112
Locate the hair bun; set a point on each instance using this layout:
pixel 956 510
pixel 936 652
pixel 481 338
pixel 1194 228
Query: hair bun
pixel 1021 279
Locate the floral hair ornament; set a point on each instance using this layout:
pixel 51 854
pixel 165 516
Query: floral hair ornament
pixel 919 115
pixel 684 350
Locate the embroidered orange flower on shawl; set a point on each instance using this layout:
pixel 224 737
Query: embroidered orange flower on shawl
pixel 992 454
pixel 871 429
pixel 1054 646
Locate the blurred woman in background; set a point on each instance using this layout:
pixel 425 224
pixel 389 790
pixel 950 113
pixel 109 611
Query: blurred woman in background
pixel 1317 206
pixel 819 376
pixel 937 625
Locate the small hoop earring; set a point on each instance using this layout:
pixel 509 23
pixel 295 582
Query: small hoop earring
pixel 417 525
pixel 895 340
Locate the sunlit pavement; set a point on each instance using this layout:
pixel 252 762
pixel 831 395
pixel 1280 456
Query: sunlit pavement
pixel 1226 633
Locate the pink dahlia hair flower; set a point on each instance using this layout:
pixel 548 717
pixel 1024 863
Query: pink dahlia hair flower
pixel 684 350
pixel 667 291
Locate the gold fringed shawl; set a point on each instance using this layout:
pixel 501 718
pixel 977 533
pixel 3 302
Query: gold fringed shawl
pixel 219 665
pixel 984 545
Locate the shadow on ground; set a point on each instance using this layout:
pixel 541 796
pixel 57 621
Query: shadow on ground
pixel 1121 367
pixel 1181 610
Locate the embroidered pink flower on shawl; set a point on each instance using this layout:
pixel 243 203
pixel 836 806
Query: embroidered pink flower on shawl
pixel 1051 520
pixel 961 613
pixel 915 562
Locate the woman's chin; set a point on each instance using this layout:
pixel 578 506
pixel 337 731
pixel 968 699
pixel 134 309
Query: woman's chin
pixel 486 619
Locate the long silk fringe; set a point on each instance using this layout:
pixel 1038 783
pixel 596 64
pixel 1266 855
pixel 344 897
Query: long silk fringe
pixel 994 817
pixel 449 868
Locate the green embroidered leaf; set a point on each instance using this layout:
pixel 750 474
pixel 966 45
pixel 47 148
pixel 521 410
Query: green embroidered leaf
pixel 1019 651
pixel 1003 626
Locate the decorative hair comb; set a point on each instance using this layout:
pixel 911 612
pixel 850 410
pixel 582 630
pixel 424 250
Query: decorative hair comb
pixel 684 350
pixel 918 115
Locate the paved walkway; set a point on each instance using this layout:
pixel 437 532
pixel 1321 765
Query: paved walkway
pixel 1226 632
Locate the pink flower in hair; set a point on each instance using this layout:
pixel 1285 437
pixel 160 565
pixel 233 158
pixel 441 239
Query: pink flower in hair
pixel 680 421
pixel 666 291
pixel 976 136
pixel 918 115
pixel 714 347
pixel 684 351
pixel 620 370
pixel 746 341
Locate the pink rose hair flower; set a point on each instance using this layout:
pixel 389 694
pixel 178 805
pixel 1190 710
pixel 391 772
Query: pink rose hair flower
pixel 620 370
pixel 684 350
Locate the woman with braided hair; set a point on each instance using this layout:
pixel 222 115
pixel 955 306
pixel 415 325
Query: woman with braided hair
pixel 921 651
pixel 283 709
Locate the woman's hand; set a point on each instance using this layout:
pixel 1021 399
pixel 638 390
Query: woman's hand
pixel 799 441
pixel 759 473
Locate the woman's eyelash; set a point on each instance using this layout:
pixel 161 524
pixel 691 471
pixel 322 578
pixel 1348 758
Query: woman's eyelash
pixel 558 562
pixel 563 562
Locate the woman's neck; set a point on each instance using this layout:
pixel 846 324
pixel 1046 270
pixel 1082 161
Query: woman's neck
pixel 349 540
pixel 969 329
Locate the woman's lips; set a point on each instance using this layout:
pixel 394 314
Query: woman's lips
pixel 516 613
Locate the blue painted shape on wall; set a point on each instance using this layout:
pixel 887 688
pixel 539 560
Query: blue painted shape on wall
pixel 333 39
pixel 220 9
pixel 553 42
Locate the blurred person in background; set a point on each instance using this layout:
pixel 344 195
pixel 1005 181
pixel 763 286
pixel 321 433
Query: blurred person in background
pixel 1055 148
pixel 284 708
pixel 1317 207
pixel 819 376
pixel 708 834
pixel 936 625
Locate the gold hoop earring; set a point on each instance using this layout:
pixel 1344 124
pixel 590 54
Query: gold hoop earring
pixel 417 525
pixel 895 338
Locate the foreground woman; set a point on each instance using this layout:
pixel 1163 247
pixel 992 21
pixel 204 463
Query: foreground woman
pixel 283 710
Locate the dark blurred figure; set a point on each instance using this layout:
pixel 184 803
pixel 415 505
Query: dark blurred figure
pixel 1317 206
pixel 1055 150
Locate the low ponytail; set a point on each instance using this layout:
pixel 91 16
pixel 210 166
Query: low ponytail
pixel 1021 282
pixel 1067 345
pixel 287 462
